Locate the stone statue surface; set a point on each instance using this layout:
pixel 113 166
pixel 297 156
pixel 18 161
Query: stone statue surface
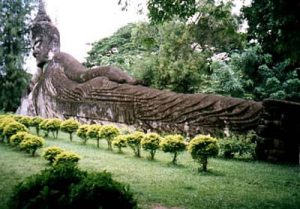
pixel 64 88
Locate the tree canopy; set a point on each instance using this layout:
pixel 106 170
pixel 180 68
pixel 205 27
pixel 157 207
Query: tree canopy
pixel 14 42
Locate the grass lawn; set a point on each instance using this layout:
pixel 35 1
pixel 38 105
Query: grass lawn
pixel 228 183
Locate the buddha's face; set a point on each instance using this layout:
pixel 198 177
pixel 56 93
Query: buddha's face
pixel 40 51
pixel 45 43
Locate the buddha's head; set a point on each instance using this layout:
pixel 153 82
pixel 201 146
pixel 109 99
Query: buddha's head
pixel 45 37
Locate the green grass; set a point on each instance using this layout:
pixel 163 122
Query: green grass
pixel 228 183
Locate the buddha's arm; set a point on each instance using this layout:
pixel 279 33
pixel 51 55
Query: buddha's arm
pixel 77 72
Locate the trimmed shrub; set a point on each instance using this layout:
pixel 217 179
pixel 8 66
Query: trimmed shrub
pixel 4 120
pixel 12 128
pixel 69 126
pixel 150 143
pixel 93 132
pixel 99 190
pixel 134 142
pixel 53 126
pixel 49 189
pixel 71 188
pixel 109 132
pixel 35 122
pixel 43 127
pixel 50 153
pixel 82 132
pixel 202 147
pixel 31 143
pixel 120 142
pixel 25 120
pixel 67 157
pixel 17 138
pixel 173 144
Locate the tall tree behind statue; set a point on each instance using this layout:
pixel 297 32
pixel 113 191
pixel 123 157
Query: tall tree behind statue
pixel 14 37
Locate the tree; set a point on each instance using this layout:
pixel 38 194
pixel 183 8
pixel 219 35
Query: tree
pixel 14 42
pixel 117 49
pixel 276 26
pixel 150 143
pixel 173 144
pixel 202 147
pixel 69 126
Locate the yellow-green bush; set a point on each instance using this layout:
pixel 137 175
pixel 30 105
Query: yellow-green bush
pixel 202 147
pixel 17 138
pixel 70 126
pixel 173 144
pixel 150 143
pixel 120 142
pixel 67 157
pixel 35 122
pixel 4 120
pixel 31 143
pixel 109 132
pixel 53 126
pixel 93 132
pixel 43 127
pixel 82 132
pixel 50 153
pixel 134 142
pixel 12 128
pixel 25 120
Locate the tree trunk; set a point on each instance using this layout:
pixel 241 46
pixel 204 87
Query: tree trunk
pixel 174 161
pixel 71 137
pixel 97 142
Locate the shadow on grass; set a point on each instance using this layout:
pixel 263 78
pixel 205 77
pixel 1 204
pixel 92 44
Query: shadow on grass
pixel 209 173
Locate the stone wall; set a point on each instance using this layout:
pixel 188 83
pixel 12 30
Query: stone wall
pixel 279 132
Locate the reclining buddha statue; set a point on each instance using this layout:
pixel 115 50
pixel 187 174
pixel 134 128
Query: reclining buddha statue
pixel 64 88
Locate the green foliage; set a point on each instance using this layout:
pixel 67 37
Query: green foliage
pixel 160 11
pixel 66 157
pixel 50 187
pixel 202 147
pixel 93 132
pixel 43 126
pixel 68 187
pixel 251 74
pixel 134 141
pixel 120 142
pixel 276 26
pixel 169 60
pixel 242 146
pixel 17 138
pixel 31 143
pixel 12 128
pixel 14 42
pixel 25 120
pixel 109 132
pixel 50 153
pixel 53 126
pixel 216 29
pixel 118 50
pixel 99 190
pixel 173 144
pixel 82 132
pixel 70 126
pixel 4 120
pixel 35 122
pixel 150 143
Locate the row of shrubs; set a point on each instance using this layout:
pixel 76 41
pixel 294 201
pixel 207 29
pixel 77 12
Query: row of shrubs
pixel 201 147
pixel 16 134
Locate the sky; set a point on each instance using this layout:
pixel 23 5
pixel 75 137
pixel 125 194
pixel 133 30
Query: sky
pixel 83 22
